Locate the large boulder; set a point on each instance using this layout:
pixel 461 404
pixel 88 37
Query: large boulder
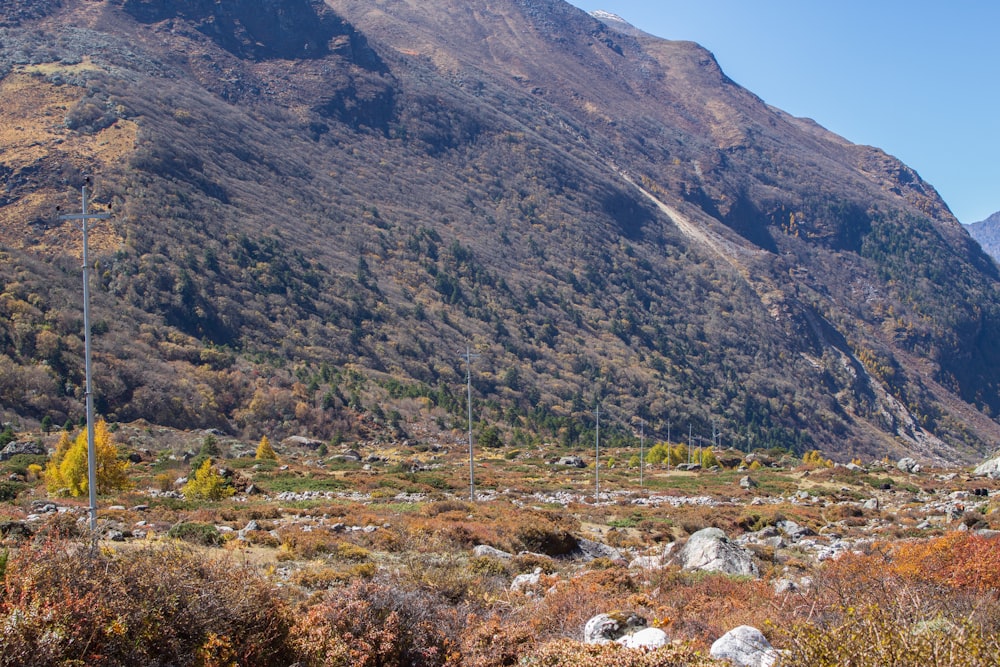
pixel 709 549
pixel 607 628
pixel 989 468
pixel 14 448
pixel 745 646
pixel 571 461
pixel 589 550
pixel 647 639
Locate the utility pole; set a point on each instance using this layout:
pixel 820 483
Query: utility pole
pixel 689 444
pixel 670 447
pixel 468 384
pixel 597 457
pixel 85 219
pixel 642 440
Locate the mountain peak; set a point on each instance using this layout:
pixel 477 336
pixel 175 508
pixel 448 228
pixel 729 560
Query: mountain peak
pixel 616 22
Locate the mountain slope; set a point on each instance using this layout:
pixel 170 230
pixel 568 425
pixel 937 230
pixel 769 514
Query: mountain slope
pixel 316 212
pixel 987 234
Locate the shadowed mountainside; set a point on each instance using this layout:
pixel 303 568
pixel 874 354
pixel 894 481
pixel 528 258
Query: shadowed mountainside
pixel 316 207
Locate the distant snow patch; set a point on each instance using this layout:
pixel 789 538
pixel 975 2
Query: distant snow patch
pixel 604 16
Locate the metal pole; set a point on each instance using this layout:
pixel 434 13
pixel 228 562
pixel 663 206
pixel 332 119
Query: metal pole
pixel 84 219
pixel 670 447
pixel 642 439
pixel 597 458
pixel 468 384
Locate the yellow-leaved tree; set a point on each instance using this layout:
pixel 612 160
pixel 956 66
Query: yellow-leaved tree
pixel 207 484
pixel 265 452
pixel 67 469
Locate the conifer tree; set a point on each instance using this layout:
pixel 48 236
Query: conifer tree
pixel 207 484
pixel 68 467
pixel 264 451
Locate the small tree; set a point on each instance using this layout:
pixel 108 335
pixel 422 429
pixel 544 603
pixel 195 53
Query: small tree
pixel 708 458
pixel 265 452
pixel 207 484
pixel 68 467
pixel 656 454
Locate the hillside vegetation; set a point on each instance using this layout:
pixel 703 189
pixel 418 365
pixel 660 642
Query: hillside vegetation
pixel 317 208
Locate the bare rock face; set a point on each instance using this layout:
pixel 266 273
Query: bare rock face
pixel 709 549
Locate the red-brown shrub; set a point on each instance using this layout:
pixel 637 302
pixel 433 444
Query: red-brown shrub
pixel 62 603
pixel 375 624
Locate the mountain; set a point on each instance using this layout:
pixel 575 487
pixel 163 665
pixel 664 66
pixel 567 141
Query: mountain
pixel 987 234
pixel 315 209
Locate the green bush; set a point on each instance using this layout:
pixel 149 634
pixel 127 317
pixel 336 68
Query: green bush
pixel 9 490
pixel 204 534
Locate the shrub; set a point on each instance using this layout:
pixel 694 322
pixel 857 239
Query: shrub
pixel 9 490
pixel 374 624
pixel 204 534
pixel 879 634
pixel 496 642
pixel 565 652
pixel 64 604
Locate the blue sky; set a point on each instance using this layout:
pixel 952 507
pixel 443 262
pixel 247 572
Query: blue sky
pixel 919 79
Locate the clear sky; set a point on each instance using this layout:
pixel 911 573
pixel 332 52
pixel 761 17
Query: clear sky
pixel 919 79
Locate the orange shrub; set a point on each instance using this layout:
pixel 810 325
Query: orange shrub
pixel 375 624
pixel 61 603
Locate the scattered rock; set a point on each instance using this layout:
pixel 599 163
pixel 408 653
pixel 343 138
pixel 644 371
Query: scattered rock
pixel 794 531
pixel 607 628
pixel 590 550
pixel 251 526
pixel 301 441
pixel 571 461
pixel 744 646
pixel 647 639
pixel 748 483
pixel 482 550
pixel 907 464
pixel 709 549
pixel 524 582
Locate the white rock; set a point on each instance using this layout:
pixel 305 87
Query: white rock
pixel 523 582
pixel 647 638
pixel 486 550
pixel 709 549
pixel 989 468
pixel 606 628
pixel 745 646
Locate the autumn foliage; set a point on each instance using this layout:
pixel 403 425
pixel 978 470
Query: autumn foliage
pixel 67 471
